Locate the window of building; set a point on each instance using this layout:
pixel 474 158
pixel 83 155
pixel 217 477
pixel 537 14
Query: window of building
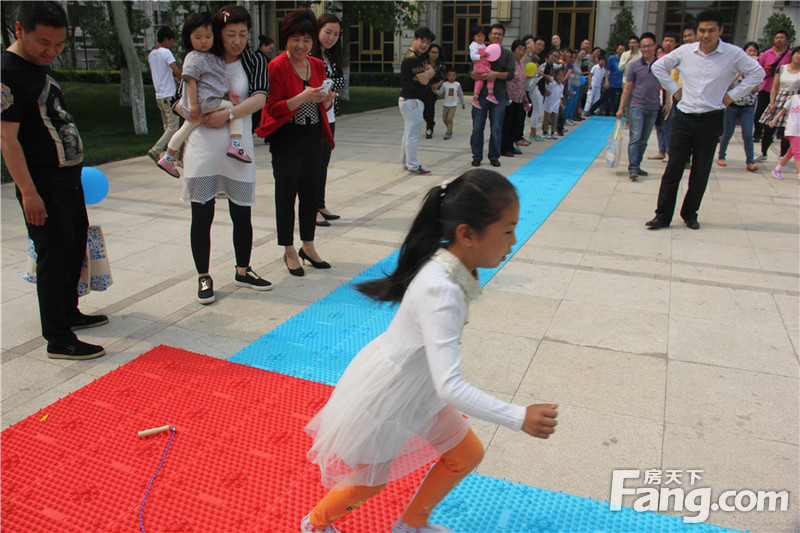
pixel 679 13
pixel 572 20
pixel 370 50
pixel 458 19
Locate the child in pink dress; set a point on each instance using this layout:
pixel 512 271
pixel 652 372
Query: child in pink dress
pixel 479 56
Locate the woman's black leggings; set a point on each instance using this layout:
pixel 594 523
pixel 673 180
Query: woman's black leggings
pixel 203 216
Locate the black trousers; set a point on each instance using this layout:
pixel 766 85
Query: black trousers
pixel 60 245
pixel 200 233
pixel 762 103
pixel 296 160
pixel 429 111
pixel 691 134
pixel 512 126
pixel 326 159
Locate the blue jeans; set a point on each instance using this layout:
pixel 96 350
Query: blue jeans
pixel 572 102
pixel 664 131
pixel 496 113
pixel 746 115
pixel 642 122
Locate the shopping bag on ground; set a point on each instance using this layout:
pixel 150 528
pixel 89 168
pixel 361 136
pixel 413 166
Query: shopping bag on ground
pixel 614 148
pixel 95 271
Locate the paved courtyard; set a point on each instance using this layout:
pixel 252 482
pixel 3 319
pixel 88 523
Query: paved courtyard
pixel 666 350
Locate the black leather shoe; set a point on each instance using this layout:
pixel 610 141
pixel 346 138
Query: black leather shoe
pixel 656 223
pixel 494 162
pixel 324 223
pixel 316 264
pixel 294 271
pixel 476 162
pixel 692 224
pixel 330 216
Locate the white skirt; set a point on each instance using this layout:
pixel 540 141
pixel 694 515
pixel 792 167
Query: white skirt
pixel 209 173
pixel 381 423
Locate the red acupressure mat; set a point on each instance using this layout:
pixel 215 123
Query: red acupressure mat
pixel 237 462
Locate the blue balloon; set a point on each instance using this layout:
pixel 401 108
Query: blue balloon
pixel 95 185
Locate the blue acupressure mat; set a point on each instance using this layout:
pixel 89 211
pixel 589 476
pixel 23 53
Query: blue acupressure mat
pixel 319 342
pixel 481 504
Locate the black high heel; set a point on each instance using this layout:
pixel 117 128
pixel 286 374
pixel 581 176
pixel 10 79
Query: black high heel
pixel 315 264
pixel 329 217
pixel 294 271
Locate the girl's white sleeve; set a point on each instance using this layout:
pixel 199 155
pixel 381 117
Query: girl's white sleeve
pixel 442 316
pixel 460 93
pixel 474 51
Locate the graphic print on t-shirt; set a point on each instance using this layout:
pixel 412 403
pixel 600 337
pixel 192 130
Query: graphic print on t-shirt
pixel 60 125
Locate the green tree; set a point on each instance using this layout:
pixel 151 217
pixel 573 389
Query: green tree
pixel 622 29
pixel 96 21
pixel 390 16
pixel 8 16
pixel 776 21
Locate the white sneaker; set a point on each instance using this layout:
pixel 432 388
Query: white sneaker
pixel 760 157
pixel 306 527
pixel 402 527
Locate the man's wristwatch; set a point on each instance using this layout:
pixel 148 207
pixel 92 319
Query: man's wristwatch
pixel 230 114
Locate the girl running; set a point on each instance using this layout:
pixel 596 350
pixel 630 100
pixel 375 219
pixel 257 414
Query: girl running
pixel 398 405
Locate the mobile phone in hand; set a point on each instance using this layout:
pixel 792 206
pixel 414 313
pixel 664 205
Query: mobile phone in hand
pixel 326 85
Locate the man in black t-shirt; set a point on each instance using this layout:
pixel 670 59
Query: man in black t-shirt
pixel 414 77
pixel 43 152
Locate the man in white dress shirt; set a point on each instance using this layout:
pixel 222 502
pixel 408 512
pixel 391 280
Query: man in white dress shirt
pixel 706 68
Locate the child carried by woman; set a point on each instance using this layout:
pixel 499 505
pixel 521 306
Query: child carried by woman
pixel 206 87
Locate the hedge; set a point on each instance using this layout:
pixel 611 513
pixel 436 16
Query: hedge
pixel 96 76
pixel 357 79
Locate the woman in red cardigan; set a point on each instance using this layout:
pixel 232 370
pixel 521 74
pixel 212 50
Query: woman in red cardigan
pixel 295 117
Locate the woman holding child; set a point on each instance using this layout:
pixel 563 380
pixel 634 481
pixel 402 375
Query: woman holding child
pixel 208 174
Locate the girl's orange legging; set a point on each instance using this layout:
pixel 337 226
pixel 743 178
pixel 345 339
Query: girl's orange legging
pixel 448 471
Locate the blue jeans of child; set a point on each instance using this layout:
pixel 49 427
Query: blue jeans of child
pixel 642 122
pixel 745 114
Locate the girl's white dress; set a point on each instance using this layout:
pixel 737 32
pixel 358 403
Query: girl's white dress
pixel 397 405
pixel 207 172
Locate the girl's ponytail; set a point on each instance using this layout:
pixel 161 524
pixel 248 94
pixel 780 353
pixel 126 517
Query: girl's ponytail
pixel 476 198
pixel 422 241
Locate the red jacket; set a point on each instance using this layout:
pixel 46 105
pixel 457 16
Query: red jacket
pixel 284 84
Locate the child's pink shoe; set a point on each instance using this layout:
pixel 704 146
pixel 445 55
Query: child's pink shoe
pixel 476 103
pixel 776 173
pixel 168 167
pixel 238 153
pixel 491 99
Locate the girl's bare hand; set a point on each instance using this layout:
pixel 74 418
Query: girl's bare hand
pixel 540 420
